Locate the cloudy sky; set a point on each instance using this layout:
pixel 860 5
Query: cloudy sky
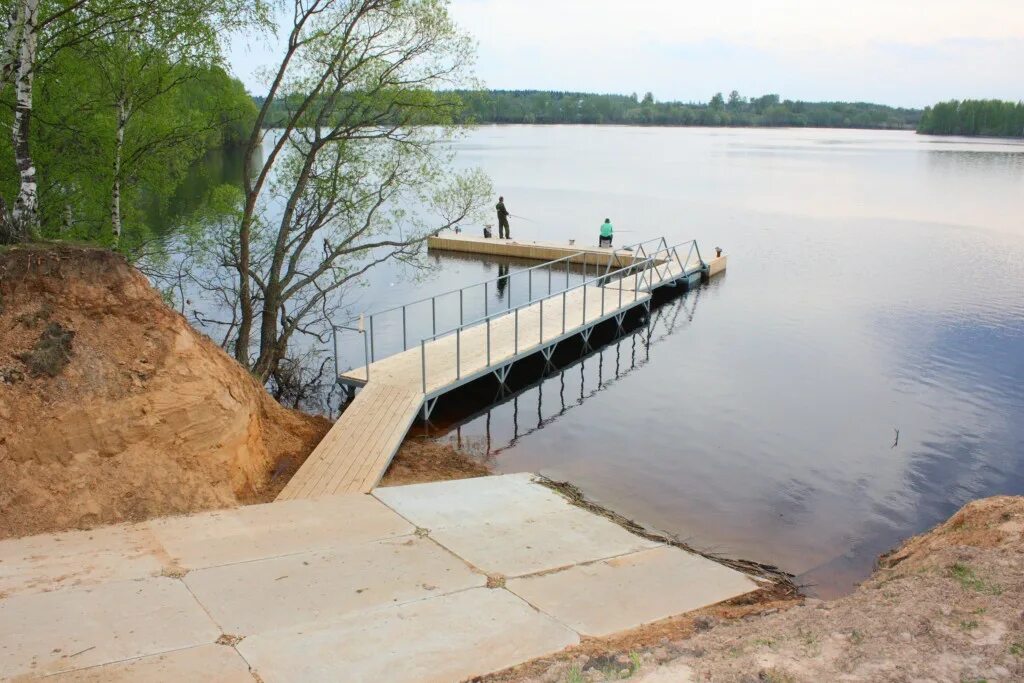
pixel 900 52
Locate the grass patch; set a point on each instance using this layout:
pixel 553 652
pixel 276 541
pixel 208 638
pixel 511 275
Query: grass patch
pixel 967 579
pixel 1017 649
pixel 856 637
pixel 969 625
pixel 634 662
pixel 575 675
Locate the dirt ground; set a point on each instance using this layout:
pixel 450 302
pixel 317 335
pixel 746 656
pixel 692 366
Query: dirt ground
pixel 421 460
pixel 112 408
pixel 946 606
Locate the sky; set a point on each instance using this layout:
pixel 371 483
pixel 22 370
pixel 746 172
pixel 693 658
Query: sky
pixel 897 52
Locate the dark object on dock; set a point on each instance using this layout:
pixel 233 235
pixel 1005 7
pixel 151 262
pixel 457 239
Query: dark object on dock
pixel 487 232
pixel 718 251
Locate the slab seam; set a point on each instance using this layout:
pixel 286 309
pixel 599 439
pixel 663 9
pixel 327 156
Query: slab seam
pixel 297 552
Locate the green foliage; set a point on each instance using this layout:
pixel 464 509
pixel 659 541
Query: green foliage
pixel 992 118
pixel 966 577
pixel 121 112
pixel 532 106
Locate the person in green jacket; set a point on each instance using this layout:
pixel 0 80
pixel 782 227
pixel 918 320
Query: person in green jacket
pixel 606 234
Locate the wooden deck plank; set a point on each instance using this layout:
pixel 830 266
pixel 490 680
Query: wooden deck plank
pixel 399 415
pixel 378 413
pixel 345 444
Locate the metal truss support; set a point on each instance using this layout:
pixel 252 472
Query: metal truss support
pixel 428 408
pixel 547 352
pixel 501 374
pixel 585 335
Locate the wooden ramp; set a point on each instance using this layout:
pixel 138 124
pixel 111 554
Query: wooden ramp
pixel 359 447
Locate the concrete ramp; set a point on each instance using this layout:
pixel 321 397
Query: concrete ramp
pixel 385 587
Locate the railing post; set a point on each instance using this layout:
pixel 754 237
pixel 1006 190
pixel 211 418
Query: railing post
pixel 584 303
pixel 366 355
pixel 433 314
pixel 405 343
pixel 486 296
pixel 515 344
pixel 488 342
pixel 423 363
pixel 337 370
pixel 550 268
pixel 602 301
pixel 563 311
pixel 461 321
pixel 542 320
pixel 458 353
pixel 529 285
pixel 372 356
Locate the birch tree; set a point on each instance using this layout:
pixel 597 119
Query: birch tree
pixel 138 50
pixel 358 172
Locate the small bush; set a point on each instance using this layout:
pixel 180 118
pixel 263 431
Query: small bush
pixel 51 352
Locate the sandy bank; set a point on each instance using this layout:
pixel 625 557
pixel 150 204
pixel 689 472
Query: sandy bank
pixel 946 606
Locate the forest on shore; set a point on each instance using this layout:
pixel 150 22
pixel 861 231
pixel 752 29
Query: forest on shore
pixel 988 118
pixel 534 106
pixel 992 118
pixel 551 107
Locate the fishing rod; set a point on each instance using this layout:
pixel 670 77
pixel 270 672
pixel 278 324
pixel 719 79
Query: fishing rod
pixel 522 218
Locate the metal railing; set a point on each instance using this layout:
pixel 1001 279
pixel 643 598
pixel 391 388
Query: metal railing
pixel 657 262
pixel 486 287
pixel 653 254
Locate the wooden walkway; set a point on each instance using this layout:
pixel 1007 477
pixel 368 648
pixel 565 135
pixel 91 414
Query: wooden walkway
pixel 506 343
pixel 359 447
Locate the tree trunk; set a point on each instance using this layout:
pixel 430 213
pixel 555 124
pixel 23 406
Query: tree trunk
pixel 115 194
pixel 244 287
pixel 25 213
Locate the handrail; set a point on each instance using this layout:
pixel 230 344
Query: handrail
pixel 613 257
pixel 639 269
pixel 650 255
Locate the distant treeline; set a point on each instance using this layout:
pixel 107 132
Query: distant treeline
pixel 532 106
pixel 974 117
pixel 535 106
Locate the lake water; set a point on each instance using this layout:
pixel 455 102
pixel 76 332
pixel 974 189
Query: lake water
pixel 875 284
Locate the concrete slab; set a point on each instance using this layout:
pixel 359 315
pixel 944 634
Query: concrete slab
pixel 73 629
pixel 275 529
pixel 448 638
pixel 526 544
pixel 77 558
pixel 436 505
pixel 204 663
pixel 312 588
pixel 625 592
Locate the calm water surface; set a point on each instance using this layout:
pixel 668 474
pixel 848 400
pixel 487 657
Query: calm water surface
pixel 875 284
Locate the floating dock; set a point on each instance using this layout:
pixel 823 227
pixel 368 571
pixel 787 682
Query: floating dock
pixel 359 447
pixel 532 249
